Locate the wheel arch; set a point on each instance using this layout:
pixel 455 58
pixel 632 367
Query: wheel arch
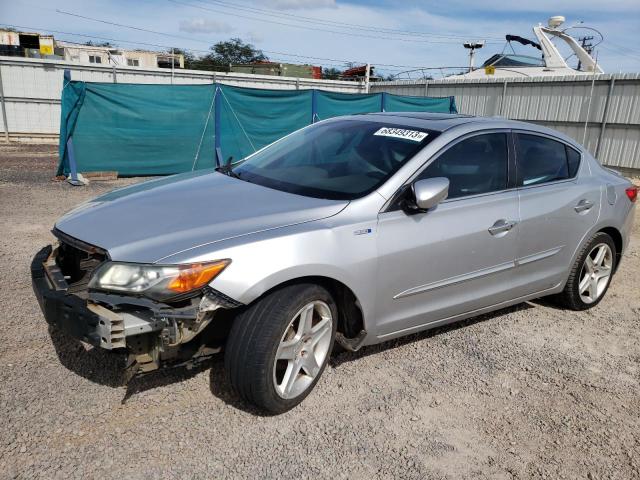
pixel 616 236
pixel 351 317
pixel 607 228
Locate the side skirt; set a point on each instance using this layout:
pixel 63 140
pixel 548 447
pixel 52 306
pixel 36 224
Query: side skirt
pixel 464 316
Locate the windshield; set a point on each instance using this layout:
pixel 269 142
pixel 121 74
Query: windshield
pixel 339 159
pixel 514 61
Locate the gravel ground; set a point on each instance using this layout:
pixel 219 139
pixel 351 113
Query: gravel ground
pixel 527 392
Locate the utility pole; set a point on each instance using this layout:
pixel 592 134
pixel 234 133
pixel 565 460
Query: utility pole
pixel 588 47
pixel 173 60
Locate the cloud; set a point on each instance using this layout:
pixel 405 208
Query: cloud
pixel 255 36
pixel 550 7
pixel 300 4
pixel 204 25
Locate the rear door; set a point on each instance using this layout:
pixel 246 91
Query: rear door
pixel 459 256
pixel 559 203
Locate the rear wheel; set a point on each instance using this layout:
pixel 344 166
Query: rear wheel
pixel 591 274
pixel 279 346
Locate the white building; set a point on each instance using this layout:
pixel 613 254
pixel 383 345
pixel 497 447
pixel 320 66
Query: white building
pixel 91 54
pixel 35 45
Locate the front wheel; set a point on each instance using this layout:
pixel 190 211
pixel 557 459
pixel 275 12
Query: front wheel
pixel 279 346
pixel 591 274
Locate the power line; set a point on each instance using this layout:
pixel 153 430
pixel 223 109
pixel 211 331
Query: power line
pixel 340 64
pixel 622 48
pixel 132 27
pixel 140 29
pixel 616 51
pixel 301 18
pixel 304 27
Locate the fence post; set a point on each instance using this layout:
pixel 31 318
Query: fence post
pixel 603 124
pixel 73 166
pixel 503 98
pixel 314 105
pixel 4 110
pixel 586 121
pixel 366 78
pixel 216 127
pixel 383 102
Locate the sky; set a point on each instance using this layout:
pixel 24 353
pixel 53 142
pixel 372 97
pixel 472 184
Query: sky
pixel 394 36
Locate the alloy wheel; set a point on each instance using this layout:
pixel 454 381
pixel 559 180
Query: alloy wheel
pixel 596 273
pixel 303 349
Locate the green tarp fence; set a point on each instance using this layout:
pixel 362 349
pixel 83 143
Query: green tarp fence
pixel 137 129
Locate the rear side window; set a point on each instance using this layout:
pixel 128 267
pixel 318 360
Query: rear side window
pixel 573 159
pixel 475 165
pixel 543 160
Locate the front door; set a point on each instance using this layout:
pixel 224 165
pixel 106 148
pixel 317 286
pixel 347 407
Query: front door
pixel 459 256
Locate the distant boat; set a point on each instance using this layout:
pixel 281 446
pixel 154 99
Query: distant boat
pixel 550 63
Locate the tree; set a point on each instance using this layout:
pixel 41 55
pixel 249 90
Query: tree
pixel 331 73
pixel 98 44
pixel 237 52
pixel 233 51
pixel 190 60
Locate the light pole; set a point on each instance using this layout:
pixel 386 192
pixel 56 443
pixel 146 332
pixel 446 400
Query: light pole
pixel 472 47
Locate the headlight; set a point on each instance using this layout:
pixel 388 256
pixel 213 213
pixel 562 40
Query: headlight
pixel 156 281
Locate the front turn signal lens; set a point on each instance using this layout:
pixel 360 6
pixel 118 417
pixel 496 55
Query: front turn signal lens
pixel 196 276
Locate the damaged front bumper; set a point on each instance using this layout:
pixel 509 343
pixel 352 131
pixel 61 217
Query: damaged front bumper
pixel 152 332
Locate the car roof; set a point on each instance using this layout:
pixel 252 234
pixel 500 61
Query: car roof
pixel 444 121
pixel 432 121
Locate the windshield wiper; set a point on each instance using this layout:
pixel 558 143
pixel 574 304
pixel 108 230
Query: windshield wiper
pixel 227 169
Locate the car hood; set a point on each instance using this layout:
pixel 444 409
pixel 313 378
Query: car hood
pixel 152 220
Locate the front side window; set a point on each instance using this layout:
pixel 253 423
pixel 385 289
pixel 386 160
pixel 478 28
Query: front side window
pixel 543 160
pixel 339 159
pixel 473 166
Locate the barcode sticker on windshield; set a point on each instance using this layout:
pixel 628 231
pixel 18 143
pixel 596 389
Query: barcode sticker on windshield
pixel 413 135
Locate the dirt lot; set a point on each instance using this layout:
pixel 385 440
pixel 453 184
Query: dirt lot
pixel 527 392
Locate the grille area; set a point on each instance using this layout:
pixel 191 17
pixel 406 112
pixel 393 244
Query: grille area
pixel 77 261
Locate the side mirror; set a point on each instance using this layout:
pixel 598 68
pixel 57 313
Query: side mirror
pixel 429 192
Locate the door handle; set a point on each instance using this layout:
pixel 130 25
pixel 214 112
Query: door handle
pixel 583 206
pixel 502 226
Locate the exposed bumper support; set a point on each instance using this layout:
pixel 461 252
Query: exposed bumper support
pixel 81 319
pixel 107 321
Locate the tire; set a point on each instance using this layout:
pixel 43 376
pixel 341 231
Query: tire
pixel 269 342
pixel 571 297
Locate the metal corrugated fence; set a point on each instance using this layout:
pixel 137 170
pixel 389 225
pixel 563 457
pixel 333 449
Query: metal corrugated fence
pixel 613 120
pixel 31 88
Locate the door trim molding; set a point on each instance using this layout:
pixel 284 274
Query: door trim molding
pixel 457 279
pixel 479 273
pixel 462 316
pixel 538 256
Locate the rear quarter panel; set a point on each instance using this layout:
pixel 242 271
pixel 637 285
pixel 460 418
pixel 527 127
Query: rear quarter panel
pixel 616 211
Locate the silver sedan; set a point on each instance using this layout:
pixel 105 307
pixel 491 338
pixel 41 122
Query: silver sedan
pixel 352 231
